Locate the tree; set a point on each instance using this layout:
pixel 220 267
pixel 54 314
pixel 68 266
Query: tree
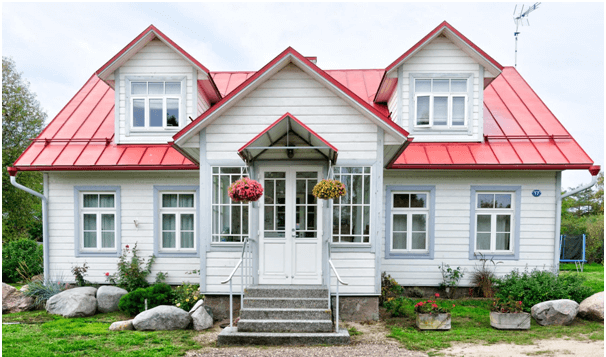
pixel 22 119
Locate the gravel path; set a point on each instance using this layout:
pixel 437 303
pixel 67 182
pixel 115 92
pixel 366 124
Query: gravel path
pixel 373 342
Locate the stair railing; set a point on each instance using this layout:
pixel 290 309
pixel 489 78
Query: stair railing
pixel 246 271
pixel 339 281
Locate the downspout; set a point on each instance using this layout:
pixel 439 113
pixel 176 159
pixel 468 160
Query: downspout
pixel 594 170
pixel 45 244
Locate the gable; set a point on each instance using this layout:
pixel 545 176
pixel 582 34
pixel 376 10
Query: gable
pixel 294 91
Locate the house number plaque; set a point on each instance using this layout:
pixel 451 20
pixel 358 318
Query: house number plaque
pixel 536 193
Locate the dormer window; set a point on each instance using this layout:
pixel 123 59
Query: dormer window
pixel 155 105
pixel 441 103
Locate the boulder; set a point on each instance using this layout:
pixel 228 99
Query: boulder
pixel 592 308
pixel 196 306
pixel 108 298
pixel 76 302
pixel 202 317
pixel 555 312
pixel 162 317
pixel 14 300
pixel 122 325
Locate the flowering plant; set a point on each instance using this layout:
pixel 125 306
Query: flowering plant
pixel 509 305
pixel 329 189
pixel 245 190
pixel 186 296
pixel 432 307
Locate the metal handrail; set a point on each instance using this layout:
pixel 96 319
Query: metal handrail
pixel 339 280
pixel 245 245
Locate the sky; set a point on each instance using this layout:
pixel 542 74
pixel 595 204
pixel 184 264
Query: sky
pixel 58 46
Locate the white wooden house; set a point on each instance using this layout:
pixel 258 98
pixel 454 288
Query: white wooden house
pixel 445 154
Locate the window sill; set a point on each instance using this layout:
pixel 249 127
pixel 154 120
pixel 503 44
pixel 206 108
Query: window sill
pixel 434 128
pixel 97 253
pixel 494 255
pixel 408 255
pixel 177 253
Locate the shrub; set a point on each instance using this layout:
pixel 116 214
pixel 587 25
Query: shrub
pixel 41 291
pixel 132 274
pixel 390 289
pixel 400 307
pixel 483 277
pixel 21 259
pixel 186 296
pixel 156 295
pixel 79 273
pixel 450 278
pixel 537 286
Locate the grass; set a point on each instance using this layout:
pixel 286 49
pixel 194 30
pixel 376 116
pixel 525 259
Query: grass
pixel 471 324
pixel 594 273
pixel 41 334
pixel 354 331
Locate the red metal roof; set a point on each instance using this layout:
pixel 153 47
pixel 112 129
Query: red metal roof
pixel 520 133
pixel 81 137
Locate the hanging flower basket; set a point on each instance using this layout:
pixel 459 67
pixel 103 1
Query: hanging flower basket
pixel 329 189
pixel 245 190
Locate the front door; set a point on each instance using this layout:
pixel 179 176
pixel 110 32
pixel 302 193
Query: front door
pixel 290 247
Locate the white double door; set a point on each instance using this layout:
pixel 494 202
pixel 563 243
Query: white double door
pixel 290 243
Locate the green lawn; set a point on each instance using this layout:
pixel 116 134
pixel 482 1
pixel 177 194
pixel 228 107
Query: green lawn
pixel 41 334
pixel 593 272
pixel 471 324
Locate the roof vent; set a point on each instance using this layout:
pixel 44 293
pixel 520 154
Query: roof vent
pixel 313 60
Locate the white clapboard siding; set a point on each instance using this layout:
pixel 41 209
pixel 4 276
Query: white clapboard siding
pixel 156 60
pixel 218 267
pixel 292 90
pixel 357 270
pixel 452 217
pixel 136 204
pixel 441 56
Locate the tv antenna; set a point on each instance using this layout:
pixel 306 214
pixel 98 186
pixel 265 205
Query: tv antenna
pixel 519 20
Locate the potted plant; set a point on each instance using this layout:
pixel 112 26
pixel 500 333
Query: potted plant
pixel 433 315
pixel 508 315
pixel 329 189
pixel 245 190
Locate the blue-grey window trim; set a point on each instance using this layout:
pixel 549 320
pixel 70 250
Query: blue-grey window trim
pixel 156 220
pixel 517 190
pixel 81 253
pixel 430 225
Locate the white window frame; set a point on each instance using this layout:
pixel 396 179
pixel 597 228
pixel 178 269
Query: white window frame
pixel 177 211
pixel 98 212
pixel 216 237
pixel 337 204
pixel 146 97
pixel 450 95
pixel 409 211
pixel 494 212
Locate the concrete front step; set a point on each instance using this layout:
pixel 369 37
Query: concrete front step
pixel 286 291
pixel 285 314
pixel 285 325
pixel 231 336
pixel 286 303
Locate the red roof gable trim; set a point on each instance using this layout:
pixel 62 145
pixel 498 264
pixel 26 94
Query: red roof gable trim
pixel 430 36
pixel 289 52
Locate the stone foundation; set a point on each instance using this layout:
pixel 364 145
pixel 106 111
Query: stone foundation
pixel 357 308
pixel 351 308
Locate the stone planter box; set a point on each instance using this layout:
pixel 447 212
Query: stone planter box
pixel 433 321
pixel 508 321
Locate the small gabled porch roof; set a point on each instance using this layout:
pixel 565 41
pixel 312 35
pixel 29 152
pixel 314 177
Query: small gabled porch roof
pixel 278 135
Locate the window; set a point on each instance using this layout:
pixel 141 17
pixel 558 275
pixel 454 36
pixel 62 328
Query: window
pixel 155 105
pixel 495 217
pixel 351 213
pixel 441 103
pixel 97 220
pixel 409 226
pixel 177 221
pixel 229 219
pixel 409 219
